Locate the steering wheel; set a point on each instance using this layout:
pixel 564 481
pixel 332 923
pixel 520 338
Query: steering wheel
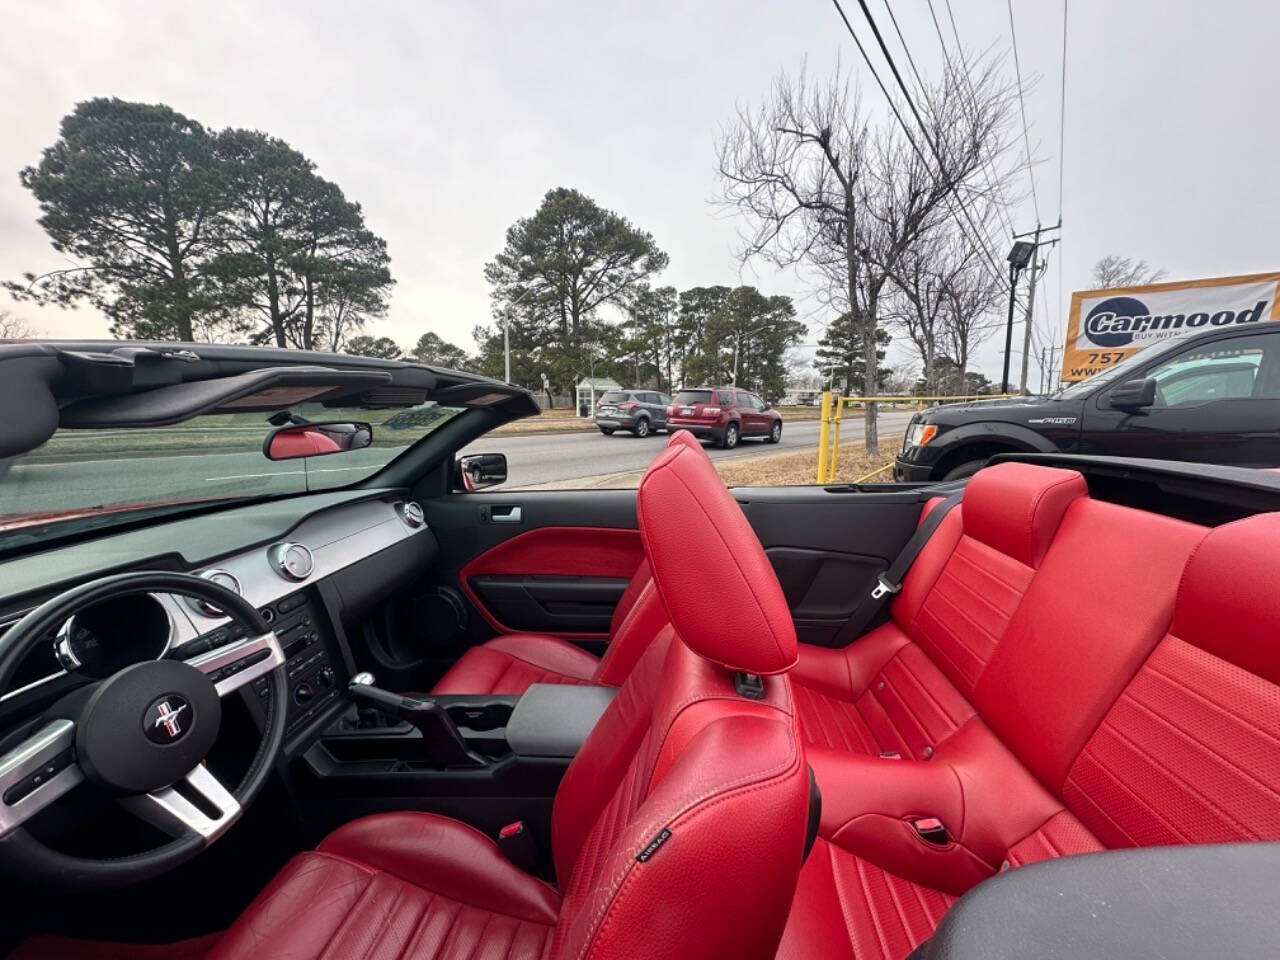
pixel 140 736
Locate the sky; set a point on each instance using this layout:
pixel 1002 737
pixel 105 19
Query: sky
pixel 447 121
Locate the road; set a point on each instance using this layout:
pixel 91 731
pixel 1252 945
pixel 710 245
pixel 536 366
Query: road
pixel 533 459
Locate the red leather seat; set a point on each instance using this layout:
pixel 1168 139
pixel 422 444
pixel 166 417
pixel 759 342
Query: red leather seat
pixel 1132 698
pixel 905 686
pixel 511 663
pixel 678 830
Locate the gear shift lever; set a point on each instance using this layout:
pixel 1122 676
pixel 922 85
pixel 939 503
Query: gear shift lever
pixel 443 743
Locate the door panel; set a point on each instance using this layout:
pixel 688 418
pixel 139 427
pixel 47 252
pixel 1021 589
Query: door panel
pixel 827 548
pixel 579 555
pixel 571 534
pixel 563 606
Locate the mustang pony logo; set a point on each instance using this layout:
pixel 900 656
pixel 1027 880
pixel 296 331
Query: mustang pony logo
pixel 164 722
pixel 168 718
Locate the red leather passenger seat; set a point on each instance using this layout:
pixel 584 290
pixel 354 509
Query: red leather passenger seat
pixel 512 662
pixel 1133 698
pixel 678 830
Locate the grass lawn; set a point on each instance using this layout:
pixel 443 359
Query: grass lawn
pixel 787 469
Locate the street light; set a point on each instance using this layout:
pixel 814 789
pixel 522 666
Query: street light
pixel 1018 259
pixel 506 334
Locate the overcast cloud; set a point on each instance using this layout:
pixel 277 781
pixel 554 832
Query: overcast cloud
pixel 447 121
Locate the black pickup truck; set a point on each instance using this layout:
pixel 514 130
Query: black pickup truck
pixel 1209 398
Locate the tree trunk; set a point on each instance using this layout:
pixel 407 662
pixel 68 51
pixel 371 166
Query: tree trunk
pixel 871 436
pixel 186 331
pixel 273 301
pixel 309 318
pixel 870 375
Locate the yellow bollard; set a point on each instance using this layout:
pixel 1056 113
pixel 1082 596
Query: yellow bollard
pixel 838 413
pixel 824 433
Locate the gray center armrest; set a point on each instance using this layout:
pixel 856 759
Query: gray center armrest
pixel 553 719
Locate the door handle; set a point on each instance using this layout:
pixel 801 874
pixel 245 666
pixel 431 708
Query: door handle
pixel 509 514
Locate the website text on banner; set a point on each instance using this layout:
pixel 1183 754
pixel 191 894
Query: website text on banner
pixel 1105 326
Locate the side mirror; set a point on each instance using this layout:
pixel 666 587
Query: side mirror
pixel 1133 395
pixel 316 439
pixel 477 471
pixel 767 406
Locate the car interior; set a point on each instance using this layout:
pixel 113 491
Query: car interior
pixel 419 715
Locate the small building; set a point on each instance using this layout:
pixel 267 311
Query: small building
pixel 589 388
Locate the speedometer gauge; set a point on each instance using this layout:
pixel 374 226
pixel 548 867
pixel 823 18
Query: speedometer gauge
pixel 113 634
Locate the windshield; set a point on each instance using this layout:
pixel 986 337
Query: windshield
pixel 1117 374
pixel 80 475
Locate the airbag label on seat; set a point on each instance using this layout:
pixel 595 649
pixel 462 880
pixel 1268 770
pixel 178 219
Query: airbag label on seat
pixel 652 846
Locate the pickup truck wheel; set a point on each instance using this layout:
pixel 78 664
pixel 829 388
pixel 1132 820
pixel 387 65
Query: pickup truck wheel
pixel 607 431
pixel 965 470
pixel 641 429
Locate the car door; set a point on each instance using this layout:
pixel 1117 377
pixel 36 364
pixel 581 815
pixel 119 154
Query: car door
pixel 657 413
pixel 1218 401
pixel 659 408
pixel 759 422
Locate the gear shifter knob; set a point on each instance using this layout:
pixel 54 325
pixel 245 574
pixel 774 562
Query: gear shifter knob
pixel 363 679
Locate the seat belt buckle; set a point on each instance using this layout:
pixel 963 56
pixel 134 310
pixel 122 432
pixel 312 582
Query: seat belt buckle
pixel 883 588
pixel 516 843
pixel 931 830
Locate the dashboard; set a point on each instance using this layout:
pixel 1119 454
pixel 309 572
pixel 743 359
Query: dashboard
pixel 305 577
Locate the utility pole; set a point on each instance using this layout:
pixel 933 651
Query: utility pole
pixel 1024 253
pixel 1032 275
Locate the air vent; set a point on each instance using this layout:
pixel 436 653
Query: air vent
pixel 293 561
pixel 223 578
pixel 411 513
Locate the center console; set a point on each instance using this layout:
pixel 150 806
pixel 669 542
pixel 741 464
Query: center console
pixel 312 666
pixel 484 759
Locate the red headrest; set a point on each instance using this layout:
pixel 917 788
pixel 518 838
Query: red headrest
pixel 1228 601
pixel 719 589
pixel 683 438
pixel 1016 507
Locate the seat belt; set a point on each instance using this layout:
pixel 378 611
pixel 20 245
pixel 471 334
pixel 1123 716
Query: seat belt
pixel 889 582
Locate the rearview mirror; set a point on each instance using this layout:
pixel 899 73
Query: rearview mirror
pixel 316 439
pixel 476 471
pixel 1133 395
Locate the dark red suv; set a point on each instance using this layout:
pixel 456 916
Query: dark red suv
pixel 725 415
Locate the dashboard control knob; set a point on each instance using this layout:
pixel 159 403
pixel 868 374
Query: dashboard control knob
pixel 304 693
pixel 293 561
pixel 324 679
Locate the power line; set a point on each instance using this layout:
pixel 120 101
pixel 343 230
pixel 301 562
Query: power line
pixel 937 155
pixel 1062 150
pixel 1062 109
pixel 993 180
pixel 905 49
pixel 1022 108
